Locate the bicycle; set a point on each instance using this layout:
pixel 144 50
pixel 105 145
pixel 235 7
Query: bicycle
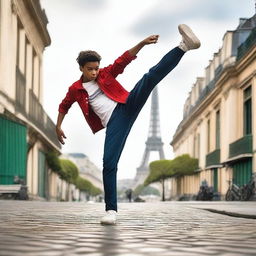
pixel 248 190
pixel 233 193
pixel 243 193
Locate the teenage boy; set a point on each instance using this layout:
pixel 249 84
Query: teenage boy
pixel 105 103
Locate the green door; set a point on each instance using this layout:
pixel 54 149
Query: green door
pixel 215 179
pixel 13 151
pixel 41 174
pixel 242 172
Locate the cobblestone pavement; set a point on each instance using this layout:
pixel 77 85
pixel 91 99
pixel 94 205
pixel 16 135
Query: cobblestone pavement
pixel 170 228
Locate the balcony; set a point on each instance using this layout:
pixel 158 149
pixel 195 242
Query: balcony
pixel 20 105
pixel 218 72
pixel 213 158
pixel 241 146
pixel 245 47
pixel 203 94
pixel 42 121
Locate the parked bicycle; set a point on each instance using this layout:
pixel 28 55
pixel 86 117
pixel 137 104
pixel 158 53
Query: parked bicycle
pixel 243 193
pixel 233 193
pixel 248 190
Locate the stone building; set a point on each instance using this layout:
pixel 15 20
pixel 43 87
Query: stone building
pixel 219 121
pixel 26 131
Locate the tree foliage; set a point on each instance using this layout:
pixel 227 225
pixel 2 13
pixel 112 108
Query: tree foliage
pixel 53 161
pixel 85 185
pixel 163 169
pixel 184 165
pixel 145 190
pixel 159 170
pixel 69 171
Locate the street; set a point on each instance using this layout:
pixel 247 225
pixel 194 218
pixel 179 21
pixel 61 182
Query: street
pixel 169 228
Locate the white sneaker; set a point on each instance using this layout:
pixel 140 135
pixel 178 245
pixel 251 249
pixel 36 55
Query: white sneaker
pixel 109 218
pixel 189 39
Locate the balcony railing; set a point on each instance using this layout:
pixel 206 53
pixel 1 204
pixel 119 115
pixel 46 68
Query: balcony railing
pixel 204 93
pixel 213 158
pixel 245 46
pixel 20 92
pixel 38 116
pixel 241 146
pixel 218 71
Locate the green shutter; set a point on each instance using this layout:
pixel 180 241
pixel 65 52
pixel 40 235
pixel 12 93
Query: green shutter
pixel 215 179
pixel 242 172
pixel 13 151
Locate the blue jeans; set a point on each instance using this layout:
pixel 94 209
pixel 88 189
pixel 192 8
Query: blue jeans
pixel 123 117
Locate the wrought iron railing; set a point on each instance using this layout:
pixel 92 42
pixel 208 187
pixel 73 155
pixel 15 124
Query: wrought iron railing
pixel 38 116
pixel 241 146
pixel 246 45
pixel 20 103
pixel 218 71
pixel 204 93
pixel 213 158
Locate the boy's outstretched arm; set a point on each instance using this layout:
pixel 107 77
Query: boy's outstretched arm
pixel 149 40
pixel 59 132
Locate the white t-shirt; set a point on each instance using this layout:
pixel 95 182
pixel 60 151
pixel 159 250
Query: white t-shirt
pixel 100 103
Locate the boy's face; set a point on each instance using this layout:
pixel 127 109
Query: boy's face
pixel 90 71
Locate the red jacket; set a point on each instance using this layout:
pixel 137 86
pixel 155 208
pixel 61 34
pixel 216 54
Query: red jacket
pixel 107 83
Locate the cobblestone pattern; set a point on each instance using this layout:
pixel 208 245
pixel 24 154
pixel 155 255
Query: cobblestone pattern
pixel 67 229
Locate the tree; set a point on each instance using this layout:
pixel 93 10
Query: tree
pixel 159 172
pixel 53 161
pixel 69 171
pixel 85 185
pixel 183 165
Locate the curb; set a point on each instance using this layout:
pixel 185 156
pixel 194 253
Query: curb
pixel 232 214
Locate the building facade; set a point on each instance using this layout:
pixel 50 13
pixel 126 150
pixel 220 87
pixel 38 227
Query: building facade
pixel 26 131
pixel 219 118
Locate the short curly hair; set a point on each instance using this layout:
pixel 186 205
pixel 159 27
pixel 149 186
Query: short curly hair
pixel 87 56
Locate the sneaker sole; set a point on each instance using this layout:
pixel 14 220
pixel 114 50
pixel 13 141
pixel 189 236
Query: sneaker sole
pixel 107 223
pixel 189 36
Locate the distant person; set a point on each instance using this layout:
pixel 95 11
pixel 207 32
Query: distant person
pixel 128 193
pixel 105 103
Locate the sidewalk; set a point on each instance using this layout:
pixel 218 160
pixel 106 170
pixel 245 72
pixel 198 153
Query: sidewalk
pixel 34 228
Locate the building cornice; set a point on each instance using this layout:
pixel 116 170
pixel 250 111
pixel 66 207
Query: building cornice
pixel 38 16
pixel 228 74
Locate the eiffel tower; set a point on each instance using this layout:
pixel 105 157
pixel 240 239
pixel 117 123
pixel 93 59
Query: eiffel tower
pixel 154 141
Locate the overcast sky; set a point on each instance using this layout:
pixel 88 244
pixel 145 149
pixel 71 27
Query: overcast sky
pixel 112 26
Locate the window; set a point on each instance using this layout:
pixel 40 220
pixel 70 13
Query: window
pixel 248 110
pixel 208 135
pixel 218 129
pixel 198 146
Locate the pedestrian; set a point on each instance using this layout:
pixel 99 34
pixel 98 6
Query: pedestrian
pixel 128 193
pixel 106 104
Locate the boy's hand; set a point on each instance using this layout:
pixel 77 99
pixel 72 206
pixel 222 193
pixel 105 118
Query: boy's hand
pixel 60 134
pixel 151 39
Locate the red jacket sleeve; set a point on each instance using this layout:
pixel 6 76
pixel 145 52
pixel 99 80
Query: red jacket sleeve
pixel 120 63
pixel 67 102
